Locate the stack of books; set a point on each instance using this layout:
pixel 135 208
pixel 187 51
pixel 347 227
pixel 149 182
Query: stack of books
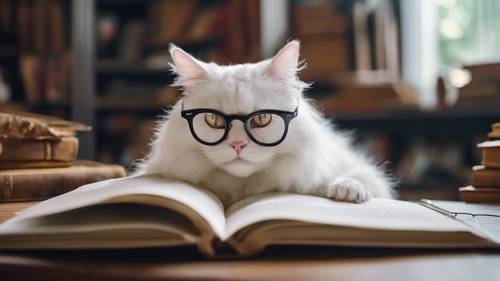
pixel 485 178
pixel 38 158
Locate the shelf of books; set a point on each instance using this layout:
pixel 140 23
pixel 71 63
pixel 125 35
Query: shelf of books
pixel 35 59
pixel 132 71
pixel 351 50
pixel 131 63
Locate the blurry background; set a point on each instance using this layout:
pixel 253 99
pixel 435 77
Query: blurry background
pixel 418 81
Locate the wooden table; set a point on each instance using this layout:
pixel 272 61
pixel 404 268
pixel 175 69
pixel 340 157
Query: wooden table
pixel 280 263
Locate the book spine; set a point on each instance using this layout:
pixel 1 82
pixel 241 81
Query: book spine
pixel 32 187
pixel 16 150
pixel 491 157
pixel 487 179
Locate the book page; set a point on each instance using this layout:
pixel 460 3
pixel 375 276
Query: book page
pixel 377 213
pixel 101 226
pixel 135 189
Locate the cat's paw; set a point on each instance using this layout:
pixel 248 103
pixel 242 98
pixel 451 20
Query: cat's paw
pixel 349 190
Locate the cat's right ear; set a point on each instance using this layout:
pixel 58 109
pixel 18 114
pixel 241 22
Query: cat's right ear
pixel 188 68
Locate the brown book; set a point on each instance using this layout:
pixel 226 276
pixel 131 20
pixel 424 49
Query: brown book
pixel 39 26
pixel 39 184
pixel 23 125
pixel 20 150
pixel 479 103
pixel 485 177
pixel 484 72
pixel 24 18
pixel 326 54
pixel 491 153
pixel 56 25
pixel 495 131
pixel 479 195
pixel 321 18
pixel 478 89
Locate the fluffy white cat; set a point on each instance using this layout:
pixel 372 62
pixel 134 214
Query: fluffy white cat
pixel 312 159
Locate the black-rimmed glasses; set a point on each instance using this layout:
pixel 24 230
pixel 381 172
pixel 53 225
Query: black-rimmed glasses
pixel 266 127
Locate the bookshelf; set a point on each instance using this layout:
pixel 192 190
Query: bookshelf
pixel 131 71
pixel 124 76
pixel 120 91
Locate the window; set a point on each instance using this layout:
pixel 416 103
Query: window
pixel 468 31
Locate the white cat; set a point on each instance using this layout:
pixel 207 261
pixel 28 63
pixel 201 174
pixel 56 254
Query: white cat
pixel 312 158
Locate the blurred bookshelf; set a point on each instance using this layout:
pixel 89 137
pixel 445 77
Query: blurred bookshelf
pixel 132 54
pixel 353 56
pixel 129 76
pixel 35 55
pixel 352 50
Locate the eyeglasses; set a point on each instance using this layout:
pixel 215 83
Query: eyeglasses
pixel 463 216
pixel 266 127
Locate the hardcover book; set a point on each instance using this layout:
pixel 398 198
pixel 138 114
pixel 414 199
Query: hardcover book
pixel 43 183
pixel 485 177
pixel 480 195
pixel 23 125
pixel 491 153
pixel 28 153
pixel 152 211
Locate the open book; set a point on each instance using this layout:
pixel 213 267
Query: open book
pixel 152 211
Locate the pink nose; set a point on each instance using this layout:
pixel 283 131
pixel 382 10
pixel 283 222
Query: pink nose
pixel 238 146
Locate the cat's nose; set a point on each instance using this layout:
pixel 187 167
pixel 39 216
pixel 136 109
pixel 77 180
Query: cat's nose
pixel 238 146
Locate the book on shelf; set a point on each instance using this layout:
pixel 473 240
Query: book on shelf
pixel 40 26
pixel 478 90
pixel 45 78
pixel 484 72
pixel 152 211
pixel 483 89
pixel 41 183
pixel 316 48
pixel 353 97
pixel 319 18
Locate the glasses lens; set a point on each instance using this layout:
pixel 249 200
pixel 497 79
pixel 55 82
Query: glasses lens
pixel 209 126
pixel 266 128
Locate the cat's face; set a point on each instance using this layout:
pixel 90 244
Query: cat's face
pixel 241 90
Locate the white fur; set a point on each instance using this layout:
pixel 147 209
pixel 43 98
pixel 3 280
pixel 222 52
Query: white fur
pixel 313 159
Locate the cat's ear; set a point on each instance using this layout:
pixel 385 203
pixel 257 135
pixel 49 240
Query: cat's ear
pixel 187 67
pixel 285 64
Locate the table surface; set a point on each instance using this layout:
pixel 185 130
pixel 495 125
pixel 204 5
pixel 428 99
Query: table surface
pixel 279 263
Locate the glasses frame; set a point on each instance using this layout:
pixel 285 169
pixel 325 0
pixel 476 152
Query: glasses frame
pixel 189 115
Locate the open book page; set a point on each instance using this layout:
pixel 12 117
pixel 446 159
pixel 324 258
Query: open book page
pixel 376 213
pixel 147 190
pixel 484 218
pixel 118 225
pixel 290 216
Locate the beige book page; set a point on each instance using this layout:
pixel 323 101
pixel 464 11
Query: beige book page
pixel 153 190
pixel 385 214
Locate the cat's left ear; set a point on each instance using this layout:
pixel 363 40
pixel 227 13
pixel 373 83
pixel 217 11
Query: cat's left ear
pixel 285 64
pixel 188 68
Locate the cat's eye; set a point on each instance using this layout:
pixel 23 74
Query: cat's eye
pixel 261 120
pixel 214 120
